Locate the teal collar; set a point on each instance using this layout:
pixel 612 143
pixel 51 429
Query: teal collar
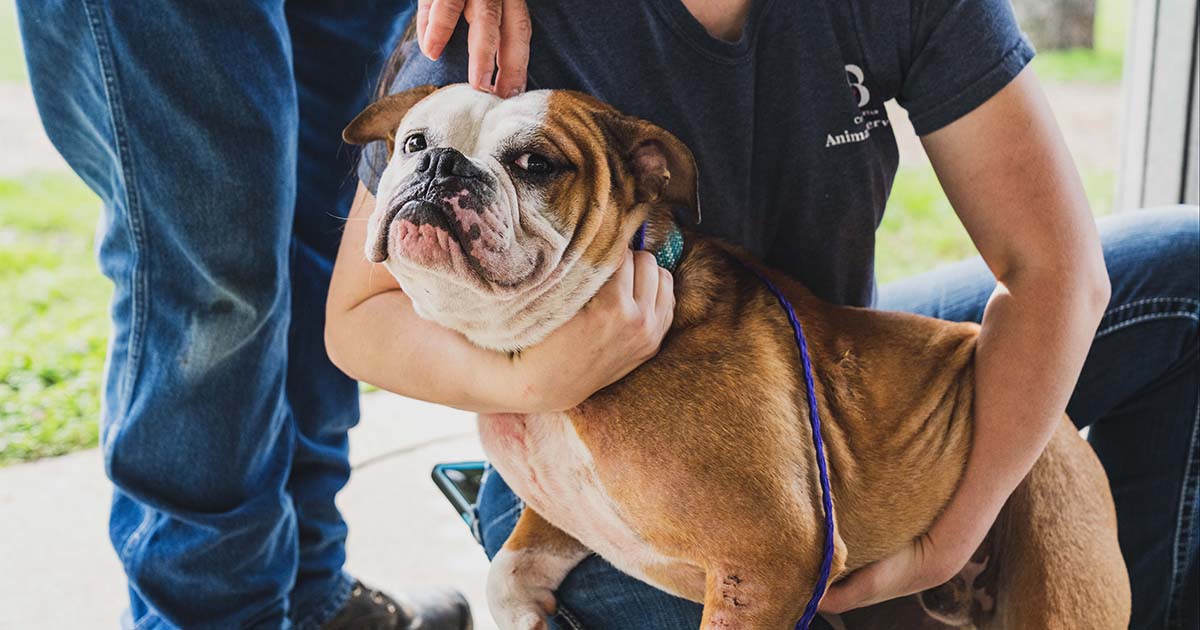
pixel 672 248
pixel 669 252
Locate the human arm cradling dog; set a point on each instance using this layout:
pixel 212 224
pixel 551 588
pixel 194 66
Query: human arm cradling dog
pixel 1006 171
pixel 373 334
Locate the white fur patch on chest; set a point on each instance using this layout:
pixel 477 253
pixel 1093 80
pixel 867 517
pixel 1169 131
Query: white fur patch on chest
pixel 546 464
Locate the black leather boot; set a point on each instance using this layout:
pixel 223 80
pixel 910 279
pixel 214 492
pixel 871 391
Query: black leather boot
pixel 369 609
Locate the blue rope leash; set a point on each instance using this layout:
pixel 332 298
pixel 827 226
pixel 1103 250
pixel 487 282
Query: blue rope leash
pixel 810 610
pixel 639 239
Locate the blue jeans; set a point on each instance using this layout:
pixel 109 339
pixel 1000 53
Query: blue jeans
pixel 212 133
pixel 1137 392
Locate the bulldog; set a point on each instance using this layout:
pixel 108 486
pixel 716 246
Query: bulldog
pixel 500 219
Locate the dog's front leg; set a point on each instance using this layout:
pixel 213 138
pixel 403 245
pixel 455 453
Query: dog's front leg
pixel 524 575
pixel 767 594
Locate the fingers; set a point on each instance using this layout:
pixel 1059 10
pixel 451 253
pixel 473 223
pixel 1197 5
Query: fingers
pixel 483 41
pixel 441 16
pixel 423 7
pixel 885 579
pixel 664 304
pixel 515 31
pixel 499 33
pixel 645 281
pixel 654 294
pixel 855 591
pixel 616 288
pixel 841 596
pixel 622 280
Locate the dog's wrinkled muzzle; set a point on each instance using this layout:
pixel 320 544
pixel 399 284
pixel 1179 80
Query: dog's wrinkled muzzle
pixel 417 211
pixel 441 174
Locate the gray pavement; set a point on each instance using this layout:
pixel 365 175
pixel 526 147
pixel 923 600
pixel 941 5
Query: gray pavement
pixel 57 570
pixel 24 147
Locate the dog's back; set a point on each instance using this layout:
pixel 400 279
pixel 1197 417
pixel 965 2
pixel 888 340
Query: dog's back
pixel 1053 556
pixel 1052 559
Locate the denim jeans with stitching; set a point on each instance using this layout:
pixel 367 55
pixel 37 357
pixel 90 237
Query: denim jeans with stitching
pixel 212 133
pixel 1137 392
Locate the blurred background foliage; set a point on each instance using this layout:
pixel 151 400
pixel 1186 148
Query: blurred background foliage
pixel 53 317
pixel 53 300
pixel 919 230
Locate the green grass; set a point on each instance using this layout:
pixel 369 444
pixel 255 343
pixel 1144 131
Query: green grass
pixel 53 317
pixel 1112 25
pixel 1103 62
pixel 1079 65
pixel 12 63
pixel 919 229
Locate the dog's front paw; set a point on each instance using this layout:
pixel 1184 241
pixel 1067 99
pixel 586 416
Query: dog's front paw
pixel 528 620
pixel 521 611
pixel 516 600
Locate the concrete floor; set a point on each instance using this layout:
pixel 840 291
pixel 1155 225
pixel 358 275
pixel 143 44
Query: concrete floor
pixel 57 569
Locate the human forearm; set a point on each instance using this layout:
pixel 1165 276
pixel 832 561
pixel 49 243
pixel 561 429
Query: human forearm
pixel 1007 172
pixel 382 341
pixel 373 334
pixel 1037 329
pixel 1021 200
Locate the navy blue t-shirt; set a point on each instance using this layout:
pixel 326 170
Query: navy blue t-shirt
pixel 795 150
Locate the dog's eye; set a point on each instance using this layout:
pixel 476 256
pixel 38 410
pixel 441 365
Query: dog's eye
pixel 534 164
pixel 414 143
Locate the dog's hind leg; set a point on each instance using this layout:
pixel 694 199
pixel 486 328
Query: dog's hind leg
pixel 524 575
pixel 1059 565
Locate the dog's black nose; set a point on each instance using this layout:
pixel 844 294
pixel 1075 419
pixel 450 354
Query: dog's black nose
pixel 445 162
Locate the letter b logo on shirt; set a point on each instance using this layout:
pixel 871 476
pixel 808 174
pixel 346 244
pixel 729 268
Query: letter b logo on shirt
pixel 854 75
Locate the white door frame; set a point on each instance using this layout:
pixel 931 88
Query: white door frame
pixel 1159 126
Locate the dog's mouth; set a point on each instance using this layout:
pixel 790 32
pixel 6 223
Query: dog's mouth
pixel 460 234
pixel 465 234
pixel 417 213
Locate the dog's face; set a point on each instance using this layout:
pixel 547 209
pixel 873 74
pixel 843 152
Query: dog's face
pixel 501 218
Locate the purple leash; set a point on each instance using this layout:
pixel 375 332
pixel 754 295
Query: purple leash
pixel 639 239
pixel 810 610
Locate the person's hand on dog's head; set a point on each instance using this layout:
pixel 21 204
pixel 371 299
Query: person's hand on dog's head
pixel 497 39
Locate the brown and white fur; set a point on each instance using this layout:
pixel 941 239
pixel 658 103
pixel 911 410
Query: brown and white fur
pixel 696 472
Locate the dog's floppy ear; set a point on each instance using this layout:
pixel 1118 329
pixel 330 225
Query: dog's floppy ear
pixel 380 119
pixel 662 165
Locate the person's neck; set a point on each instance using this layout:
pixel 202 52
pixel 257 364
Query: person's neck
pixel 723 19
